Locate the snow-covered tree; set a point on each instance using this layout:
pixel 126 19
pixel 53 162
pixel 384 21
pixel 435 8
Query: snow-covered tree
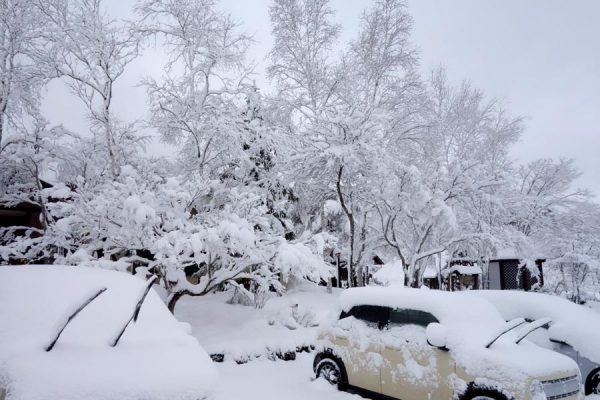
pixel 338 124
pixel 91 51
pixel 198 103
pixel 21 31
pixel 440 188
pixel 544 188
pixel 166 226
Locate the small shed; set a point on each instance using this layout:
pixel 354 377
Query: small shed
pixel 430 277
pixel 25 215
pixel 464 277
pixel 506 272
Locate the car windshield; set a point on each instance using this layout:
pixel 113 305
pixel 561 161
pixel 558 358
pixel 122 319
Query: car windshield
pixel 540 323
pixel 510 325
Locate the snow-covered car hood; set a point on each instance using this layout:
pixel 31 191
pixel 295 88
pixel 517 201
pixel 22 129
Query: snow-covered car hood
pixel 573 324
pixel 511 362
pixel 155 359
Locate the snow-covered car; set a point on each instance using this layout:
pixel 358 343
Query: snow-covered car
pixel 419 344
pixel 574 330
pixel 83 333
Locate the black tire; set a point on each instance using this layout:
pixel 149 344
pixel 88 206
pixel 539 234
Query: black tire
pixel 331 371
pixel 592 383
pixel 474 392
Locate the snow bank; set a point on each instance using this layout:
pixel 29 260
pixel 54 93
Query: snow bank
pixel 573 324
pixel 155 359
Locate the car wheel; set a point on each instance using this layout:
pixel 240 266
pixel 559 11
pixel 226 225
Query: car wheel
pixel 331 371
pixel 592 384
pixel 475 393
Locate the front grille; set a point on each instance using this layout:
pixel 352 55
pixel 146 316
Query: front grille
pixel 561 388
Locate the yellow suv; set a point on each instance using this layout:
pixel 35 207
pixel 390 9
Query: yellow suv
pixel 415 344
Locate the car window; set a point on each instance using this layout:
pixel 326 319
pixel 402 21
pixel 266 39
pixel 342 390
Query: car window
pixel 375 315
pixel 400 316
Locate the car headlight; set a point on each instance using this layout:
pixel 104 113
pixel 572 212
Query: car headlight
pixel 537 390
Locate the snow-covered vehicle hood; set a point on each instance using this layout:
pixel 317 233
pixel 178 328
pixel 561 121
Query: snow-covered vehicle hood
pixel 155 358
pixel 576 325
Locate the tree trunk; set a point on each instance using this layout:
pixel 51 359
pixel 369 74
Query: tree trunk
pixel 350 217
pixel 173 301
pixel 1 127
pixel 110 140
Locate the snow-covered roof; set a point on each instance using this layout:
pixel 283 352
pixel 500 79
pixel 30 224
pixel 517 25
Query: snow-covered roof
pixel 509 253
pixel 573 324
pixel 155 359
pixel 466 269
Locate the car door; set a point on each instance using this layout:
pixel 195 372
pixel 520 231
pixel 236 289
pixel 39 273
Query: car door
pixel 360 345
pixel 413 369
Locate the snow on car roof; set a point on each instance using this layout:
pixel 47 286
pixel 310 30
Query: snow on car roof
pixel 447 307
pixel 572 323
pixel 155 359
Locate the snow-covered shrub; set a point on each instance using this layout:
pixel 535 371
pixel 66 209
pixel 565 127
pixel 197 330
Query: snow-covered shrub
pixel 294 317
pixel 391 274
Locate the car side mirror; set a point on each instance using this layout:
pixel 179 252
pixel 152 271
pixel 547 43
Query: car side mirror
pixel 437 335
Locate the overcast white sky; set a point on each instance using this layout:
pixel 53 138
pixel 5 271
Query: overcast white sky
pixel 541 56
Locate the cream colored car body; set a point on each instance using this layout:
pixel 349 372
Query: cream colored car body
pixel 398 362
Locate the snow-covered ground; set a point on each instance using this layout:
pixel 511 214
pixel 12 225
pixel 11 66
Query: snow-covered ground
pixel 594 305
pixel 273 380
pixel 245 333
pixel 265 380
pixel 240 332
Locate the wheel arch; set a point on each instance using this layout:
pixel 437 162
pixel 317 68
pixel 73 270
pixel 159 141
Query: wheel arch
pixel 588 380
pixel 473 389
pixel 329 354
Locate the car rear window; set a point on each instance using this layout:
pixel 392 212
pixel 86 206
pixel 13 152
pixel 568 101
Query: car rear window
pixel 400 316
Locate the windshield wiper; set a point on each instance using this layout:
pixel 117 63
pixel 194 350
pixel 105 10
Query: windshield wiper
pixel 73 314
pixel 537 324
pixel 136 311
pixel 510 325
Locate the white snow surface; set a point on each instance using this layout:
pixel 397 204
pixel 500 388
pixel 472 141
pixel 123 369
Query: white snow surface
pixel 156 359
pixel 243 333
pixel 573 324
pixel 275 380
pixel 390 274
